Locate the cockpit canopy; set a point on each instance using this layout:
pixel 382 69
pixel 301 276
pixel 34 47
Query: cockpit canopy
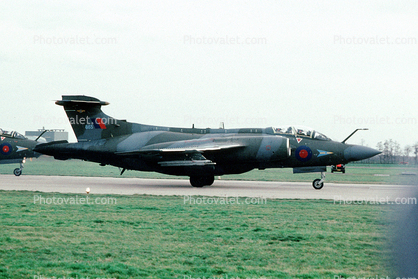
pixel 300 131
pixel 12 134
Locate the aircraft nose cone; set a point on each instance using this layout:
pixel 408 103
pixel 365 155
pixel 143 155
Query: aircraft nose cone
pixel 358 152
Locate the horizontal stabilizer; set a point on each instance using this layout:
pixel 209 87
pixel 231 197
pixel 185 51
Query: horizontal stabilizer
pixel 80 100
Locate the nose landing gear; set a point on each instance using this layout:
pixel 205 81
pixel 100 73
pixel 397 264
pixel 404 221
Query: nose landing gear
pixel 18 171
pixel 319 183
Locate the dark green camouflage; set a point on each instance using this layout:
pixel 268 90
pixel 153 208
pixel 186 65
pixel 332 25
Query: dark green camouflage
pixel 198 153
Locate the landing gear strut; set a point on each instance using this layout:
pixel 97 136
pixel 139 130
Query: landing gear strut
pixel 319 183
pixel 18 171
pixel 200 181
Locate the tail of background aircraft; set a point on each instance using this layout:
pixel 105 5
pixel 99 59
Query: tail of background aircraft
pixel 88 121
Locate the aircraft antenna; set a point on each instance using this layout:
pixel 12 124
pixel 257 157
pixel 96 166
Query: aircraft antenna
pixel 43 132
pixel 353 133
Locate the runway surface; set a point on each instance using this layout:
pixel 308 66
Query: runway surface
pixel 344 193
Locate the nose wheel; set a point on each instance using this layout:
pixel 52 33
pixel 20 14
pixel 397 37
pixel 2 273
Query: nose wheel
pixel 319 183
pixel 18 171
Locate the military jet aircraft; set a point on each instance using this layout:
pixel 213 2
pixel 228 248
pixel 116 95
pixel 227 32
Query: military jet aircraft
pixel 200 154
pixel 15 148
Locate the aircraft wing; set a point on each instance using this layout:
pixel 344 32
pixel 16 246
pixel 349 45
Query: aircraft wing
pixel 193 159
pixel 157 150
pixel 189 155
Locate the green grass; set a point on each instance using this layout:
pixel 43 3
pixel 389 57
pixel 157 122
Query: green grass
pixel 356 173
pixel 163 237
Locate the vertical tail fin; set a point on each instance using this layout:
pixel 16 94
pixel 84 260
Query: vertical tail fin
pixel 88 120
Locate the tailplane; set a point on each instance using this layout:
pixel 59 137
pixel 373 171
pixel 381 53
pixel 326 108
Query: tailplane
pixel 88 120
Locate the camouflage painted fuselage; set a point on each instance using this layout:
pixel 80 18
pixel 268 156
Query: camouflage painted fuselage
pixel 190 151
pixel 13 150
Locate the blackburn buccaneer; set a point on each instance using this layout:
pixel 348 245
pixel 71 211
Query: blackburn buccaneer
pixel 15 148
pixel 200 154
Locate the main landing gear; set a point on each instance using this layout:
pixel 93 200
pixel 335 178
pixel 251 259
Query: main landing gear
pixel 18 171
pixel 200 181
pixel 319 183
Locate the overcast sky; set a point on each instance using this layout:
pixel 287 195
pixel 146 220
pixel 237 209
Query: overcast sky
pixel 331 65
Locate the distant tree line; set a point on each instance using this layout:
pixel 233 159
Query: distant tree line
pixel 393 153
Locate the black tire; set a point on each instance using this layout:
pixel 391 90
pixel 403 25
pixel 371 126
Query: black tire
pixel 17 172
pixel 209 180
pixel 197 181
pixel 317 185
pixel 200 181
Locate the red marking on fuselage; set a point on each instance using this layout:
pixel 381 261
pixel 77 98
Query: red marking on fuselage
pixel 303 153
pixel 100 122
